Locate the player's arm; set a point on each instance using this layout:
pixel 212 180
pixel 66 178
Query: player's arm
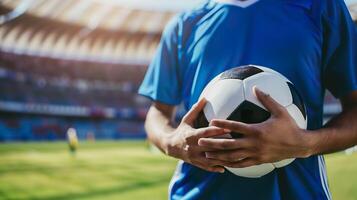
pixel 181 142
pixel 158 124
pixel 340 132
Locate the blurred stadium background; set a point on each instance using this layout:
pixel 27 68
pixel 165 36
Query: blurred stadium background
pixel 78 63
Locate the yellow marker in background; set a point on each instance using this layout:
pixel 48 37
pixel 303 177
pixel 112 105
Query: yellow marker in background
pixel 72 140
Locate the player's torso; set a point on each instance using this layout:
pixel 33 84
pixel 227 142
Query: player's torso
pixel 280 34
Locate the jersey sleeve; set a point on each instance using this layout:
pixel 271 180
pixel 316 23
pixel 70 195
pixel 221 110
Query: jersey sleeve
pixel 162 82
pixel 340 51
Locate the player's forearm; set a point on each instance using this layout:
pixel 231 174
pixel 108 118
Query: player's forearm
pixel 338 134
pixel 158 125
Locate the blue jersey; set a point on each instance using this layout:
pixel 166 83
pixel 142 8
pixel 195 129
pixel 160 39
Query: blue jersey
pixel 311 42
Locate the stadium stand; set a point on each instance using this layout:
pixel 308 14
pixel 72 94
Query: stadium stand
pixel 77 64
pixel 74 64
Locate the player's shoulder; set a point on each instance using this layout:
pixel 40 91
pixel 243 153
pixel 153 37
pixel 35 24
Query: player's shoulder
pixel 183 22
pixel 198 11
pixel 194 14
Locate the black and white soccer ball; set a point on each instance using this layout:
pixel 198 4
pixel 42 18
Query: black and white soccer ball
pixel 230 96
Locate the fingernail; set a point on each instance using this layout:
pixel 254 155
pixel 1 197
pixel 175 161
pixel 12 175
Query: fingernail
pixel 227 131
pixel 256 89
pixel 208 155
pixel 212 122
pixel 200 142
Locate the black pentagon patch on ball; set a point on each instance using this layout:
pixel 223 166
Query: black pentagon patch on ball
pixel 201 121
pixel 240 73
pixel 249 113
pixel 297 99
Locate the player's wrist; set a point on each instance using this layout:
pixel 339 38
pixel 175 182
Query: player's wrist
pixel 309 139
pixel 171 145
pixel 166 143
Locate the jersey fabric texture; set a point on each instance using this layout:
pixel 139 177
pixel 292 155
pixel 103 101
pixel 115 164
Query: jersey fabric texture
pixel 311 42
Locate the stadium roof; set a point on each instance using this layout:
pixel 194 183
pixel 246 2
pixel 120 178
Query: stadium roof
pixel 119 31
pixel 106 14
pixel 81 29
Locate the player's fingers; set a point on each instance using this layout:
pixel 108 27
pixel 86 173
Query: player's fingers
pixel 233 126
pixel 210 132
pixel 229 156
pixel 268 102
pixel 224 144
pixel 201 149
pixel 193 113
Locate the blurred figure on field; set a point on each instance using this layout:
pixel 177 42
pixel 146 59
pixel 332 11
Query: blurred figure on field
pixel 72 140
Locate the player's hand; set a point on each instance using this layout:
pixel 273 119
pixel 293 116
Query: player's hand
pixel 276 139
pixel 183 142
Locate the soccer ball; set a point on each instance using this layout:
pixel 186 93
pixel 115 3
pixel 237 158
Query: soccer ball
pixel 230 96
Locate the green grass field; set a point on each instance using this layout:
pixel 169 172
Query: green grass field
pixel 114 170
